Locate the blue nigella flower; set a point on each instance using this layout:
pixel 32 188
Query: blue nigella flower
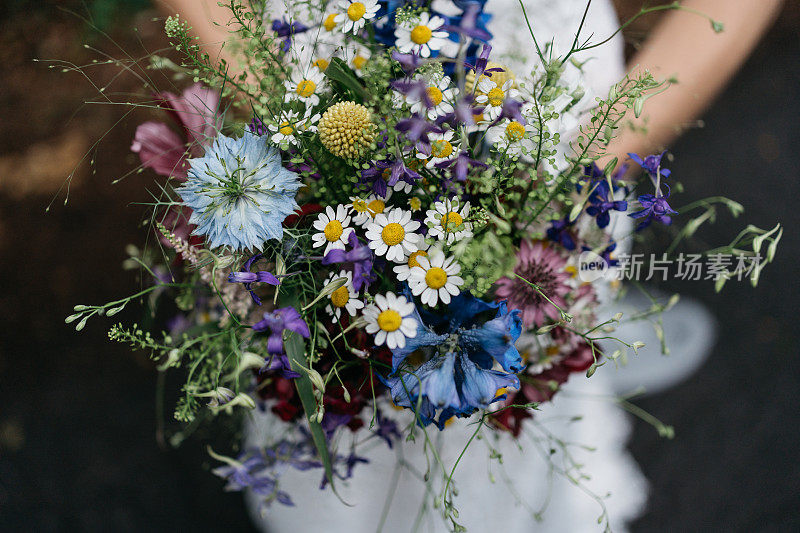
pixel 461 348
pixel 239 192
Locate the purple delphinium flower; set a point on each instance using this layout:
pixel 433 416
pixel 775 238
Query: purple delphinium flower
pixel 248 278
pixel 287 30
pixel 360 259
pixel 560 232
pixel 279 362
pixel 251 471
pixel 416 89
pixel 408 62
pixel 652 164
pixel 600 204
pixel 375 176
pixel 332 421
pixel 416 128
pixel 469 26
pixel 653 208
pixel 387 429
pixel 461 164
pixel 351 461
pixel 278 321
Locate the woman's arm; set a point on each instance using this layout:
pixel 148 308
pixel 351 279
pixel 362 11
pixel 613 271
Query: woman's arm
pixel 684 45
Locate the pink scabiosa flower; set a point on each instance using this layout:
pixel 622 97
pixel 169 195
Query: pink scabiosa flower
pixel 164 150
pixel 544 267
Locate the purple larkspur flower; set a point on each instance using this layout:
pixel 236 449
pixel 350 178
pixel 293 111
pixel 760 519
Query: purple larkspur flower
pixel 278 321
pixel 469 26
pixel 600 204
pixel 384 174
pixel 652 164
pixel 408 62
pixel 247 278
pixel 360 259
pixel 287 30
pixel 416 128
pixel 279 362
pixel 653 208
pixel 461 165
pixel 387 429
pixel 560 231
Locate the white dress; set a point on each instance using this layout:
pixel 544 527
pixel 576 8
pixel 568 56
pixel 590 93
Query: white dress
pixel 492 497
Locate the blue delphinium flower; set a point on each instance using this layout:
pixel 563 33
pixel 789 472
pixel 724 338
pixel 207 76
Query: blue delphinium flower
pixel 462 347
pixel 239 193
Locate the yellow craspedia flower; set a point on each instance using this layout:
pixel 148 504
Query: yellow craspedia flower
pixel 346 130
pixel 499 77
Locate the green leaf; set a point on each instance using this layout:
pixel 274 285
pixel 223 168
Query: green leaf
pixel 295 350
pixel 345 80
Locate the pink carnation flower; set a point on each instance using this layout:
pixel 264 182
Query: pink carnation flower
pixel 544 267
pixel 165 151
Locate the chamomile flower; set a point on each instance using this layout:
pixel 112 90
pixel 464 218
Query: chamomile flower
pixel 509 136
pixel 358 58
pixel 435 279
pixel 422 36
pixel 392 234
pixel 333 229
pixel 353 15
pixel 305 86
pixel 441 149
pixel 447 220
pixel 345 297
pixel 403 271
pixel 390 320
pixel 491 95
pixel 285 131
pixel 365 209
pixel 439 93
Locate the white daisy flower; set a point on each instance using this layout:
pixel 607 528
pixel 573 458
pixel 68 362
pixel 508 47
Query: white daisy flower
pixel 365 209
pixel 422 37
pixel 390 320
pixel 333 229
pixel 442 149
pixel 305 86
pixel 441 96
pixel 392 234
pixel 435 279
pixel 492 96
pixel 345 297
pixel 403 271
pixel 353 15
pixel 509 136
pixel 447 220
pixel 358 57
pixel 285 131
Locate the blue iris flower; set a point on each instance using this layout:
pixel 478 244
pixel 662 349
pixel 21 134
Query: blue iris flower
pixel 239 193
pixel 461 346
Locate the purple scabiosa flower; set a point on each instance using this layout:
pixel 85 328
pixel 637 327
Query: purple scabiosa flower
pixel 360 258
pixel 543 266
pixel 287 30
pixel 653 208
pixel 560 232
pixel 278 321
pixel 652 164
pixel 247 278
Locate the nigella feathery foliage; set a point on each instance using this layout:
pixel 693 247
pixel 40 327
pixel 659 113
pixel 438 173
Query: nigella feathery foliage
pixel 239 193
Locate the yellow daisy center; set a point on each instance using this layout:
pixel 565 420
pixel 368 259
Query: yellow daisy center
pixel 450 221
pixel 412 259
pixel 330 22
pixel 393 233
pixel 515 131
pixel 375 207
pixel 435 95
pixel 340 296
pixel 360 206
pixel 415 204
pixel 356 11
pixel 333 230
pixel 441 148
pixel 389 320
pixel 435 278
pixel 552 351
pixel 286 128
pixel 306 88
pixel 321 64
pixel 359 61
pixel 478 117
pixel 496 97
pixel 421 34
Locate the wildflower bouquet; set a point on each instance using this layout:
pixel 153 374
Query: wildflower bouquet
pixel 383 230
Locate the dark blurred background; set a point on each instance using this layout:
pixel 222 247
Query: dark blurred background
pixel 78 447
